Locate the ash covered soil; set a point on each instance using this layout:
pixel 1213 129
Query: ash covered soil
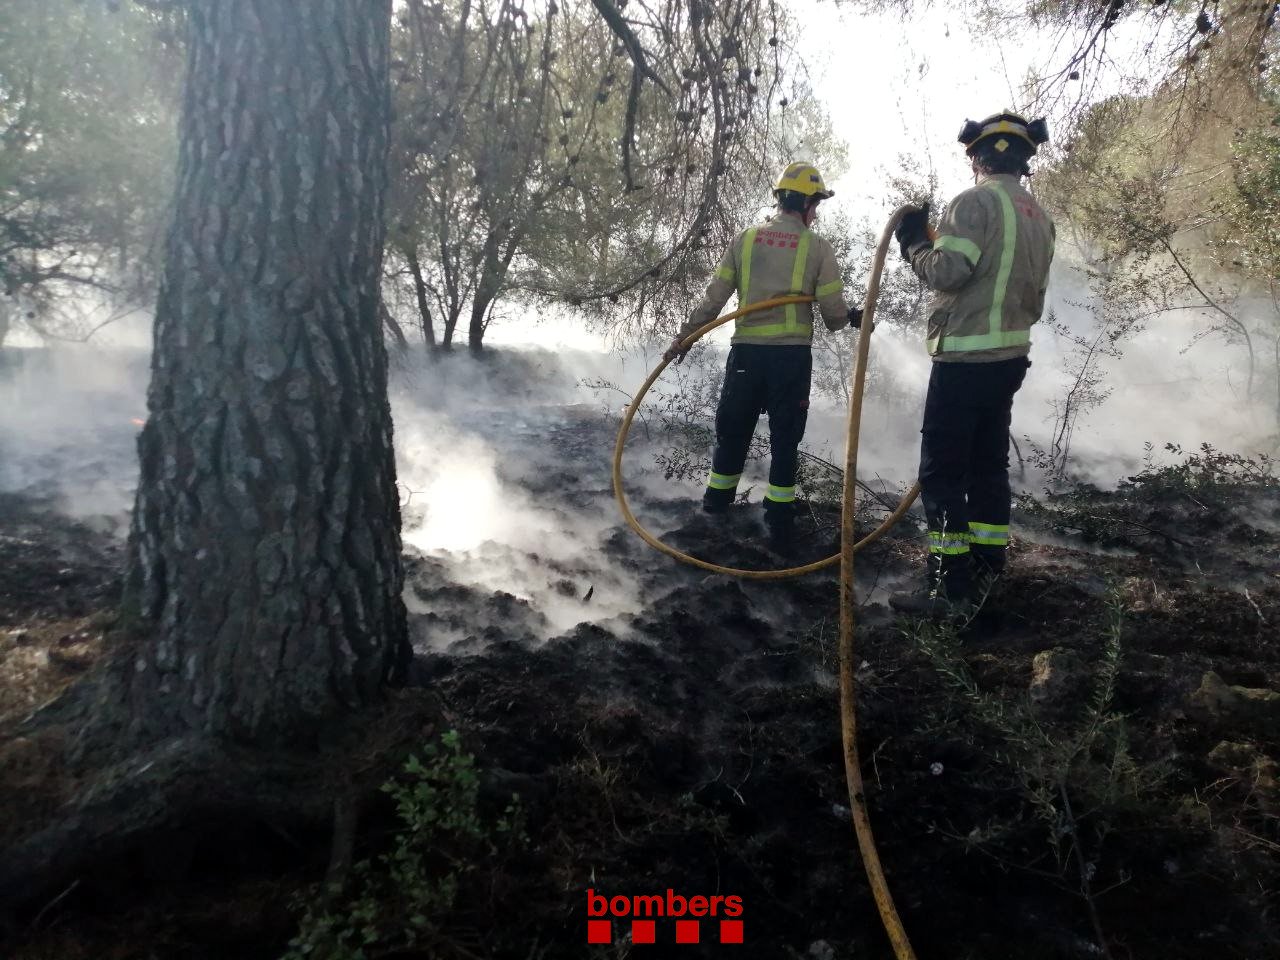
pixel 666 728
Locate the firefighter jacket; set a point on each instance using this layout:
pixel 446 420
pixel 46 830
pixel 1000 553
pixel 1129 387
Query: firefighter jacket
pixel 778 258
pixel 989 266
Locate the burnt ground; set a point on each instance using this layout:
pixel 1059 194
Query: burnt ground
pixel 693 742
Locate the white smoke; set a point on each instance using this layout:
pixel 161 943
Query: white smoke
pixel 69 418
pixel 1162 390
pixel 505 481
pixel 504 461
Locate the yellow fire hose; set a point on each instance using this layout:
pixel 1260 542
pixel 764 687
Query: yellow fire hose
pixel 848 547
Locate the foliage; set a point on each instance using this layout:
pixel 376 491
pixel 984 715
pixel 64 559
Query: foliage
pixel 1210 472
pixel 405 897
pixel 1249 242
pixel 1077 775
pixel 1168 199
pixel 576 155
pixel 1143 509
pixel 86 147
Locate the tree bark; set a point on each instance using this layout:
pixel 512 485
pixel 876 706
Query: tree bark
pixel 1275 345
pixel 420 291
pixel 264 557
pixel 393 327
pixel 450 325
pixel 492 276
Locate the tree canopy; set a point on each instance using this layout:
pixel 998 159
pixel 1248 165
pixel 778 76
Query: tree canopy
pixel 578 154
pixel 86 140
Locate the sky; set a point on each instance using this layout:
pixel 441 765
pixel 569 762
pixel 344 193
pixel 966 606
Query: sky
pixel 903 85
pixel 896 87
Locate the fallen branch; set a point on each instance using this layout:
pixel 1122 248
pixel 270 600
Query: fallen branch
pixel 1133 523
pixel 869 491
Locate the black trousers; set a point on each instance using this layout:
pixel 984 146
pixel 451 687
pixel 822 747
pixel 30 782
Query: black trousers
pixel 964 457
pixel 762 379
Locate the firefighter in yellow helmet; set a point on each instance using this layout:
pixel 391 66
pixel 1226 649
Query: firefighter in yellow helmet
pixel 770 361
pixel 988 264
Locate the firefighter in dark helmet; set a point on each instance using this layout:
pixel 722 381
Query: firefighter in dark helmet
pixel 988 263
pixel 770 362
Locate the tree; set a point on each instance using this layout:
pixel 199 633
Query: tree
pixel 1166 224
pixel 469 163
pixel 85 133
pixel 264 558
pixel 581 155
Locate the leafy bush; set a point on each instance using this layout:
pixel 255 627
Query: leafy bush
pixel 1209 471
pixel 404 897
pixel 1144 508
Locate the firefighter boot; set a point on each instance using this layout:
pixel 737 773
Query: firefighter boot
pixel 780 519
pixel 988 565
pixel 945 593
pixel 717 501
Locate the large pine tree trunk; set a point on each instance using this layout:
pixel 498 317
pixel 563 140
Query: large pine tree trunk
pixel 264 559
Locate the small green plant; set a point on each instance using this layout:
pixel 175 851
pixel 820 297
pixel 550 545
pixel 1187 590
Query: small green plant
pixel 404 898
pixel 1210 471
pixel 1140 511
pixel 1077 776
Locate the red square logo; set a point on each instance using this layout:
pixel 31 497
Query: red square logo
pixel 644 931
pixel 687 931
pixel 730 931
pixel 599 931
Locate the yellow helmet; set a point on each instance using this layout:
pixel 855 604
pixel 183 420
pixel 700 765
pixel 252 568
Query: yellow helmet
pixel 803 178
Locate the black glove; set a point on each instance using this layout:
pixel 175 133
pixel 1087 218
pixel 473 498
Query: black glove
pixel 913 228
pixel 855 317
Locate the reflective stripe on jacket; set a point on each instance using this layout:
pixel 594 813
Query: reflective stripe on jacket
pixel 778 258
pixel 989 266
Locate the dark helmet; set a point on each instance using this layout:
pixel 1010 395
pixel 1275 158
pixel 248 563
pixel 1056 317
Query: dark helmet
pixel 1009 130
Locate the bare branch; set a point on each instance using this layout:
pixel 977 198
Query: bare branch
pixel 623 31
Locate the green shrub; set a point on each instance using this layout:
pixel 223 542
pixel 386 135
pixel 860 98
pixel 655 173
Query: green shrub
pixel 1209 471
pixel 405 897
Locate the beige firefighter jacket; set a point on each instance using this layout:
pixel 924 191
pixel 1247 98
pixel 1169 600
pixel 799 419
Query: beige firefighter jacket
pixel 989 266
pixel 778 258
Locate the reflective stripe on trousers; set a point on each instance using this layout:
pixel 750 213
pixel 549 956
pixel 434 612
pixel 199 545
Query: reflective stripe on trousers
pixel 780 494
pixel 721 481
pixel 988 534
pixel 948 544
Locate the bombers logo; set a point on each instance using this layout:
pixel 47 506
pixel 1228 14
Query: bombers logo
pixel 642 913
pixel 777 238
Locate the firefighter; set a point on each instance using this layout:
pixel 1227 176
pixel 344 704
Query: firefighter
pixel 988 263
pixel 770 362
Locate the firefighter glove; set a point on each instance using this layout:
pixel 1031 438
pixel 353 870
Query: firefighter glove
pixel 855 317
pixel 913 229
pixel 674 352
